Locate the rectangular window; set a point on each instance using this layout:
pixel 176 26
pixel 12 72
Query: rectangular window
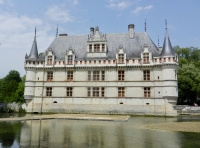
pixel 90 48
pixel 103 47
pixel 121 75
pixel 69 91
pixel 102 91
pixel 99 61
pixel 94 61
pixel 70 59
pixel 103 75
pixel 164 59
pixel 95 92
pixel 96 47
pixel 104 61
pixel 155 60
pixel 49 75
pixel 70 76
pixel 121 58
pixel 48 91
pixel 127 61
pixel 89 91
pixel 113 61
pixel 96 75
pixel 89 76
pixel 49 60
pixel 147 92
pixel 108 61
pixel 169 59
pixel 121 92
pixel 146 57
pixel 146 75
pixel 133 61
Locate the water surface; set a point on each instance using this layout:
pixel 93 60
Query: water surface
pixel 93 134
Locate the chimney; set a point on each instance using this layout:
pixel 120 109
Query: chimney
pixel 91 31
pixel 131 30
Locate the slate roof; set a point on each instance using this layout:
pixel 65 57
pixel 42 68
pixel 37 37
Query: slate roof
pixel 34 51
pixel 167 47
pixel 132 47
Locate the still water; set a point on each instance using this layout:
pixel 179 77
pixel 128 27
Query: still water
pixel 57 133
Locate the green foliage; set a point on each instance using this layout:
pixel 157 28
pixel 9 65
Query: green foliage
pixel 12 88
pixel 188 74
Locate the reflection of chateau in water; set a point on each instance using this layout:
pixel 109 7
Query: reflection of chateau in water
pixel 70 133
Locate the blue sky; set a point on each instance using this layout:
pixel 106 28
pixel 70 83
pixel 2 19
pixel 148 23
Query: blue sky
pixel 18 19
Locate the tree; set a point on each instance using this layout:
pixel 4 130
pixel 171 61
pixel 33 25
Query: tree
pixel 188 74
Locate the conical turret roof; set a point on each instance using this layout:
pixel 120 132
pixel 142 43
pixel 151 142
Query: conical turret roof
pixel 34 51
pixel 167 47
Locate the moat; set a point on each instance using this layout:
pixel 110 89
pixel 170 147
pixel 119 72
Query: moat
pixel 85 134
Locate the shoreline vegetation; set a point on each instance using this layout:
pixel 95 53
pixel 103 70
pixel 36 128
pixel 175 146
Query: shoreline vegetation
pixel 176 127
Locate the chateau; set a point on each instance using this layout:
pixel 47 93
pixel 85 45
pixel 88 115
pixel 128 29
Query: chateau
pixel 124 73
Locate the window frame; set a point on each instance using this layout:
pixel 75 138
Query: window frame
pixel 48 91
pixel 49 60
pixel 146 75
pixel 70 59
pixel 70 75
pixel 121 75
pixel 121 58
pixel 146 58
pixel 121 92
pixel 147 92
pixel 69 91
pixel 50 76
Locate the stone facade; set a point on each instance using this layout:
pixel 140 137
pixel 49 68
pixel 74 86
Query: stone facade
pixel 102 74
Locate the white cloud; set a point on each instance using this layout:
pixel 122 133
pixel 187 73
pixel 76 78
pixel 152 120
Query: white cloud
pixel 59 14
pixel 75 2
pixel 139 9
pixel 1 2
pixel 148 7
pixel 118 4
pixel 16 37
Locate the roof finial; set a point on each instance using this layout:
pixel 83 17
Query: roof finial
pixel 145 26
pixel 57 31
pixel 35 31
pixel 158 41
pixel 166 24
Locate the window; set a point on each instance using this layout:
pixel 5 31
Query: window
pixel 94 61
pixel 147 92
pixel 103 75
pixel 104 61
pixel 146 57
pixel 108 61
pixel 70 76
pixel 121 92
pixel 95 75
pixel 69 91
pixel 169 59
pixel 155 60
pixel 99 61
pixel 102 91
pixel 70 59
pixel 89 76
pixel 121 75
pixel 90 48
pixel 96 47
pixel 121 58
pixel 48 91
pixel 127 61
pixel 146 75
pixel 164 59
pixel 103 47
pixel 49 60
pixel 113 61
pixel 95 92
pixel 89 92
pixel 49 75
pixel 133 61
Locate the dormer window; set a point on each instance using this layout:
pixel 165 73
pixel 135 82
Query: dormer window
pixel 120 58
pixel 96 47
pixel 49 60
pixel 70 59
pixel 103 47
pixel 146 57
pixel 90 48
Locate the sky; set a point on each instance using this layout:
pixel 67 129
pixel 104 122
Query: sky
pixel 18 19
